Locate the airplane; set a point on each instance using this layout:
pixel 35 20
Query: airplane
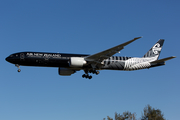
pixel 68 64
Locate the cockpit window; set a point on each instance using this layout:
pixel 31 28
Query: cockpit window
pixel 11 55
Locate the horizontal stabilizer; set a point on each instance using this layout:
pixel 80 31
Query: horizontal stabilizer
pixel 164 59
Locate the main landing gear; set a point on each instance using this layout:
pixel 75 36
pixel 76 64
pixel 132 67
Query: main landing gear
pixel 86 75
pixel 19 70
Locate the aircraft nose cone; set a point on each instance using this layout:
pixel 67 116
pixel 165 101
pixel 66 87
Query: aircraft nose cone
pixel 8 59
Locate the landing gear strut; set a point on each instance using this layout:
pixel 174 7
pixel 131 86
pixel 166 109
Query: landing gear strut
pixel 19 70
pixel 94 72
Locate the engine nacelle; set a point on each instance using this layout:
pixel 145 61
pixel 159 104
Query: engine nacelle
pixel 65 71
pixel 77 62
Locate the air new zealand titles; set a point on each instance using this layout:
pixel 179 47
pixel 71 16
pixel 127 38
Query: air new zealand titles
pixel 68 64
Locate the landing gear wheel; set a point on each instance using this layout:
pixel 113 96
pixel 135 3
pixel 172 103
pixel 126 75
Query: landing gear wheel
pixel 19 70
pixel 97 72
pixel 86 76
pixel 83 75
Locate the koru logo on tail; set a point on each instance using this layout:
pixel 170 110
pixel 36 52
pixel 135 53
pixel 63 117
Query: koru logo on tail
pixel 156 48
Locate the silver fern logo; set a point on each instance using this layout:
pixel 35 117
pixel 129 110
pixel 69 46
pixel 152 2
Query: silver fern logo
pixel 156 48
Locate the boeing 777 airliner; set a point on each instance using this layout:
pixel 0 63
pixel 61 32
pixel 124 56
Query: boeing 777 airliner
pixel 70 63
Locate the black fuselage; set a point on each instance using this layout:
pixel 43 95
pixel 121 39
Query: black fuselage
pixel 62 60
pixel 42 59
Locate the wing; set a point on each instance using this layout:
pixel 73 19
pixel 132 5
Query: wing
pixel 99 57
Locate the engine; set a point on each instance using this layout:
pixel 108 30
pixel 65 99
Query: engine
pixel 77 62
pixel 65 71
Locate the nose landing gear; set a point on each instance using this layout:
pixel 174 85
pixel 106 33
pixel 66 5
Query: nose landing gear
pixel 19 70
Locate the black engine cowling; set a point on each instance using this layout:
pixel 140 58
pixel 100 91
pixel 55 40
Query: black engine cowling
pixel 65 71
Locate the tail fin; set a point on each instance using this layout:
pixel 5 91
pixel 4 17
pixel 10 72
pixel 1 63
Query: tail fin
pixel 155 50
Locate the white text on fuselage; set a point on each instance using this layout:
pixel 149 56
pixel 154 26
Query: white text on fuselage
pixel 43 55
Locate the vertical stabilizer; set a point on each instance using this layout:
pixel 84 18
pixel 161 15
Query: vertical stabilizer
pixel 155 50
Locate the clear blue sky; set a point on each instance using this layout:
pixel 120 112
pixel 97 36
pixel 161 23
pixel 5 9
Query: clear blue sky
pixel 88 27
